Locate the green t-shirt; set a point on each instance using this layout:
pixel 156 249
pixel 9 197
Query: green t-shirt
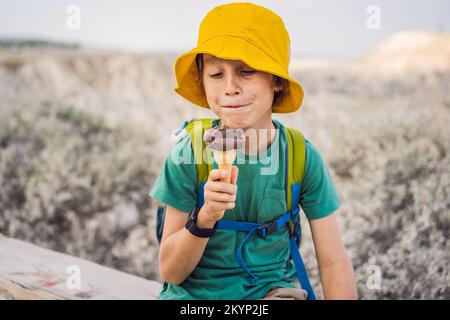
pixel 260 198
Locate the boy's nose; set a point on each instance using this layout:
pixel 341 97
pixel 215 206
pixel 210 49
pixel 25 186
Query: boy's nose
pixel 232 86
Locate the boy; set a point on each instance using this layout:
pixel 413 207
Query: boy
pixel 240 71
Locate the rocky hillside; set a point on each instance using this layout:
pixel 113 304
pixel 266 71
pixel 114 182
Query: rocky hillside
pixel 407 52
pixel 83 135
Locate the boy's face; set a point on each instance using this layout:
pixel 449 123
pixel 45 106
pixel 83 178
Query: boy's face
pixel 231 83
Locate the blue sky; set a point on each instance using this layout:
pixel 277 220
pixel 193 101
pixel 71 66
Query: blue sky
pixel 320 28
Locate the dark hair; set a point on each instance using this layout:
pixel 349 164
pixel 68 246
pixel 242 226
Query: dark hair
pixel 281 84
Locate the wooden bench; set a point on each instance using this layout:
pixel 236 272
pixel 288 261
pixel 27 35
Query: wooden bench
pixel 31 272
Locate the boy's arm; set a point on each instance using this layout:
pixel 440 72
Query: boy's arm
pixel 180 251
pixel 336 269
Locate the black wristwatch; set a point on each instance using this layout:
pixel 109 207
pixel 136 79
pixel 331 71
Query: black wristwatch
pixel 191 225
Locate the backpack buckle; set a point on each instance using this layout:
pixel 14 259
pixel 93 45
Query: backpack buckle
pixel 293 227
pixel 266 229
pixel 179 133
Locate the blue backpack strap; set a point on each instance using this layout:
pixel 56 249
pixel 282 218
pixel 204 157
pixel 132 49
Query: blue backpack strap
pixel 249 227
pixel 294 172
pixel 290 219
pixel 293 245
pixel 200 195
pixel 160 215
pixel 261 230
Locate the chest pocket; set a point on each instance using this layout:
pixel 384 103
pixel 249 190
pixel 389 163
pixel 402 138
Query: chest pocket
pixel 273 205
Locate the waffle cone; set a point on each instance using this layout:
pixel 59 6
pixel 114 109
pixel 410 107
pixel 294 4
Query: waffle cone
pixel 225 161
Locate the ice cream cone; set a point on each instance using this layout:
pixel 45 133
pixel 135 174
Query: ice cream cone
pixel 224 142
pixel 225 161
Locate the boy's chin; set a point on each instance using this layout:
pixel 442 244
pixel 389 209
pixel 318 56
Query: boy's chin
pixel 235 122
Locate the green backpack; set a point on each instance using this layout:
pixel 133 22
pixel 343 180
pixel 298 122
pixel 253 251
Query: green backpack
pixel 294 154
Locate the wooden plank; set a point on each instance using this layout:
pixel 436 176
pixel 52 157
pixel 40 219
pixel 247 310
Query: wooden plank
pixel 31 272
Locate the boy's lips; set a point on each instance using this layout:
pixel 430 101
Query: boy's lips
pixel 236 106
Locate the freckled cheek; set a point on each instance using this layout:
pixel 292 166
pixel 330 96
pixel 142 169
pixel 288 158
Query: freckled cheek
pixel 259 94
pixel 213 95
pixel 210 90
pixel 266 92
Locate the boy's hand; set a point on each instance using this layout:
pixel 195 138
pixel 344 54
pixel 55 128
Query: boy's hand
pixel 219 196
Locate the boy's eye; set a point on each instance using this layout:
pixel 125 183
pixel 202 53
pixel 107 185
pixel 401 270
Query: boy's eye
pixel 245 72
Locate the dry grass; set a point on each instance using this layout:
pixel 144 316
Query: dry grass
pixel 83 136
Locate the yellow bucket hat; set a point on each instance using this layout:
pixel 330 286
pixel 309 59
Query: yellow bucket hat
pixel 240 31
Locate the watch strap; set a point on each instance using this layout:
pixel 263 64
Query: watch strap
pixel 191 225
